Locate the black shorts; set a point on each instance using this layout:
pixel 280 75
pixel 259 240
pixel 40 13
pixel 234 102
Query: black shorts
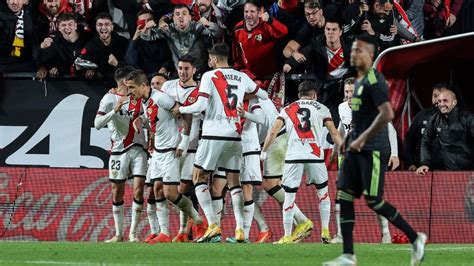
pixel 363 173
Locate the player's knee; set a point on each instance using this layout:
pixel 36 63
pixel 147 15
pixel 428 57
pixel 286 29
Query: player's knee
pixel 323 193
pixel 375 203
pixel 268 184
pixel 345 195
pixel 170 193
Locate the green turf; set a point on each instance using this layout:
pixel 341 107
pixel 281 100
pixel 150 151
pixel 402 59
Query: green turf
pixel 68 253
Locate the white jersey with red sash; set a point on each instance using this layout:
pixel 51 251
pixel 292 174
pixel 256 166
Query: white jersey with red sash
pixel 225 88
pixel 122 134
pixel 185 95
pixel 336 68
pixel 162 122
pixel 250 140
pixel 304 121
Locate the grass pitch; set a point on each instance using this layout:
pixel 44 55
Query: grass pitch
pixel 69 253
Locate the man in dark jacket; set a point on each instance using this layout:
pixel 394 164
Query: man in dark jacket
pixel 106 50
pixel 418 129
pixel 17 42
pixel 455 130
pixel 57 54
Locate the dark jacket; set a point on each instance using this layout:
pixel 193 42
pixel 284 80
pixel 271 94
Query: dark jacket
pixel 456 137
pixel 61 54
pixel 8 22
pixel 413 140
pixel 149 56
pixel 97 52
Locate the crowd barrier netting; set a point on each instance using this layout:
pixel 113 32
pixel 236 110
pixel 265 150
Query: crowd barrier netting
pixel 61 204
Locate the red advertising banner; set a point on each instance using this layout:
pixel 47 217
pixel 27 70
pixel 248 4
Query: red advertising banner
pixel 50 204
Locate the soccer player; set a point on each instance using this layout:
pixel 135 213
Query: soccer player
pixel 345 113
pixel 165 160
pixel 304 121
pixel 157 81
pixel 367 153
pixel 117 111
pixel 184 91
pixel 273 172
pixel 220 92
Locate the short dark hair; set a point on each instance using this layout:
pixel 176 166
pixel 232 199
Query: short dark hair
pixel 187 58
pixel 257 3
pixel 220 50
pixel 66 17
pixel 312 4
pixel 122 72
pixel 139 77
pixel 349 81
pixel 381 2
pixel 306 87
pixel 334 20
pixel 158 74
pixel 103 15
pixel 145 11
pixel 181 6
pixel 439 86
pixel 372 40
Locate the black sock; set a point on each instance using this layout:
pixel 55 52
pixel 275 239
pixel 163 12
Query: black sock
pixel 347 225
pixel 391 213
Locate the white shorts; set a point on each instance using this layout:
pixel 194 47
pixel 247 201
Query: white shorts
pixel 316 173
pixel 274 164
pixel 133 162
pixel 251 173
pixel 224 155
pixel 187 166
pixel 165 168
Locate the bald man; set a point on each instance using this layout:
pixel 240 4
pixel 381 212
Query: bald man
pixel 455 130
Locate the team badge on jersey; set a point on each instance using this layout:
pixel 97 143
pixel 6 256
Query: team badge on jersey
pixel 258 37
pixel 191 100
pixel 149 111
pixel 134 102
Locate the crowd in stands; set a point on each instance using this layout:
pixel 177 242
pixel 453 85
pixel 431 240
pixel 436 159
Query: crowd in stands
pixel 91 39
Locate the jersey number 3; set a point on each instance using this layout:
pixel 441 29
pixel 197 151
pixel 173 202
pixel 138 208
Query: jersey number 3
pixel 305 123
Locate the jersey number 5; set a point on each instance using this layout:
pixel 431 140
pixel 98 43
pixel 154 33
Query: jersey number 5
pixel 232 97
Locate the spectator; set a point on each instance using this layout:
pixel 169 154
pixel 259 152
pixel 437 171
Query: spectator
pixel 152 56
pixel 57 54
pixel 289 13
pixel 328 57
pixel 234 10
pixel 88 9
pixel 49 11
pixel 439 16
pixel 313 27
pixel 418 129
pixel 211 17
pixel 414 11
pixel 17 39
pixel 254 44
pixel 157 80
pixel 455 130
pixel 106 49
pixel 184 36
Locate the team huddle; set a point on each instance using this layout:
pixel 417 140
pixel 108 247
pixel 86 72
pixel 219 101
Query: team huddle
pixel 211 137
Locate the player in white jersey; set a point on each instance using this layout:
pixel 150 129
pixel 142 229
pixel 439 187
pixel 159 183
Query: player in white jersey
pixel 220 92
pixel 157 81
pixel 304 121
pixel 184 91
pixel 165 160
pixel 345 113
pixel 117 111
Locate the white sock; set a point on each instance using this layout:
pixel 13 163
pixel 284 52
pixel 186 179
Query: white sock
pixel 260 219
pixel 338 219
pixel 204 198
pixel 117 211
pixel 217 206
pixel 288 212
pixel 183 222
pixel 162 211
pixel 152 218
pixel 237 196
pixel 324 207
pixel 186 205
pixel 383 224
pixel 137 208
pixel 249 207
pixel 280 197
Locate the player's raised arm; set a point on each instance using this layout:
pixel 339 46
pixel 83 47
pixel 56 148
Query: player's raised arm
pixel 107 111
pixel 255 114
pixel 203 98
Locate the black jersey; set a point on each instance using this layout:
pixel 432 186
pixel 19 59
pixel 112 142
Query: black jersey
pixel 369 93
